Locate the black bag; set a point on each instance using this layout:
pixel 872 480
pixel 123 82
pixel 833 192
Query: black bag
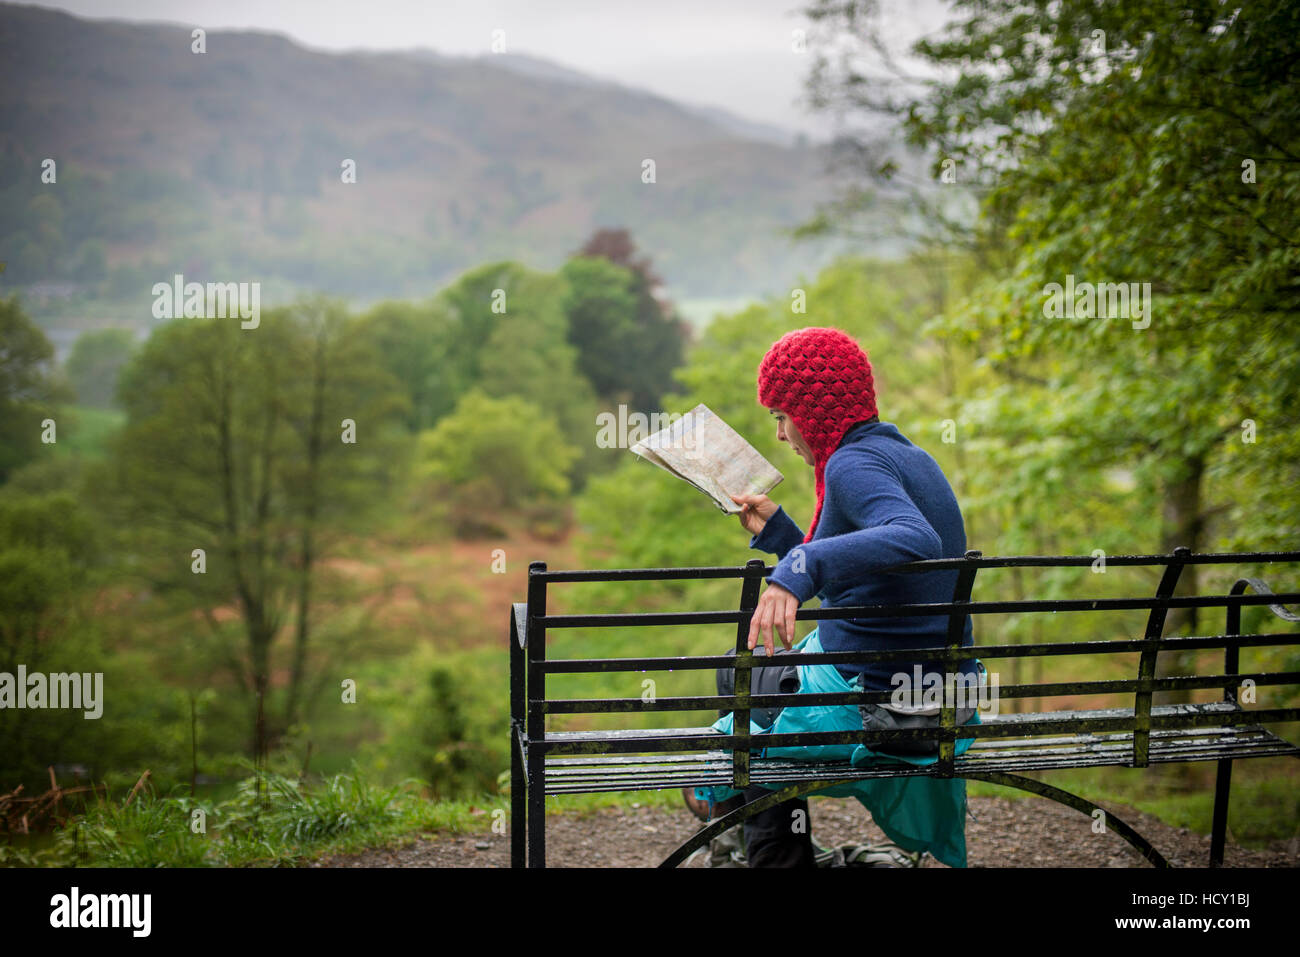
pixel 783 680
pixel 878 718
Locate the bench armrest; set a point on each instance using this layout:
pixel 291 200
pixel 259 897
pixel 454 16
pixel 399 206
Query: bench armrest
pixel 520 610
pixel 1260 587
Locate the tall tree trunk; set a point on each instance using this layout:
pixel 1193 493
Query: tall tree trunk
pixel 306 558
pixel 259 652
pixel 1182 525
pixel 307 542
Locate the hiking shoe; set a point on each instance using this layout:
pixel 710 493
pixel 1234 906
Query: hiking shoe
pixel 880 855
pixel 829 856
pixel 727 850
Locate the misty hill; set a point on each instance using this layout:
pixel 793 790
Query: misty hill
pixel 226 166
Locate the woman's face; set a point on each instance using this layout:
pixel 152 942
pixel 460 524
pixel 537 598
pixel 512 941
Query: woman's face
pixel 788 432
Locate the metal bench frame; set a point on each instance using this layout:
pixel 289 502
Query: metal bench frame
pixel 625 760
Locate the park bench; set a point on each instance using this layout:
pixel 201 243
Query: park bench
pixel 1007 744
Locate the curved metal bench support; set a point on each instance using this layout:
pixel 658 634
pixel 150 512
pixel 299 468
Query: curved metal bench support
pixel 1139 843
pixel 741 814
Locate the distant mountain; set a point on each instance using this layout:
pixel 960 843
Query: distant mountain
pixel 227 166
pixel 543 69
pixel 538 67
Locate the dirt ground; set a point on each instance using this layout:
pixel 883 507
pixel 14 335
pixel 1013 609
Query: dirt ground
pixel 1000 832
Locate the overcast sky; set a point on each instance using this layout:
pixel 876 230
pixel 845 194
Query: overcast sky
pixel 730 53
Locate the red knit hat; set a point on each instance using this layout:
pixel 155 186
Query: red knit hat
pixel 822 379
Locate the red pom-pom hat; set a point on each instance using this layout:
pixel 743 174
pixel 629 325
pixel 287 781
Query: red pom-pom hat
pixel 822 379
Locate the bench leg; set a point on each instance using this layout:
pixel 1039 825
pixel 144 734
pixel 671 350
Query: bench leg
pixel 1218 833
pixel 536 808
pixel 518 807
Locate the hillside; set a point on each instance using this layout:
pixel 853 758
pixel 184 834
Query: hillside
pixel 227 165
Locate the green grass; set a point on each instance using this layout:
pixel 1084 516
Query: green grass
pixel 271 821
pixel 275 821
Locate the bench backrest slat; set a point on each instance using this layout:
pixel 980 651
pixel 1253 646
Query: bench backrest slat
pixel 931 610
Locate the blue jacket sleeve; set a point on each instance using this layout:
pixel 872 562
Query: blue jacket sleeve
pixel 779 535
pixel 890 529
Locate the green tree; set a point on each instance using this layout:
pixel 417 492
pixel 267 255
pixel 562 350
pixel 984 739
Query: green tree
pixel 96 360
pixel 45 551
pixel 29 391
pixel 449 757
pixel 52 563
pixel 629 341
pixel 528 355
pixel 418 345
pixel 500 328
pixel 493 455
pixel 1129 142
pixel 259 447
pixel 329 489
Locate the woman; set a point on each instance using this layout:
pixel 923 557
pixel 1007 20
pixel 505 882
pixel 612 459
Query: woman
pixel 881 501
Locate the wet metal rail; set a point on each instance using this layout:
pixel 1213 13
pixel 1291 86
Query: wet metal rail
pixel 1006 745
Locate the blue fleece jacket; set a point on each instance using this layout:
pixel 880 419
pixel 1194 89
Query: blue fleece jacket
pixel 886 502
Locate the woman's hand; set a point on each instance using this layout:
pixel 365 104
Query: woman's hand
pixel 775 614
pixel 757 510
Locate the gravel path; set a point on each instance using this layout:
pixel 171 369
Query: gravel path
pixel 1000 832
